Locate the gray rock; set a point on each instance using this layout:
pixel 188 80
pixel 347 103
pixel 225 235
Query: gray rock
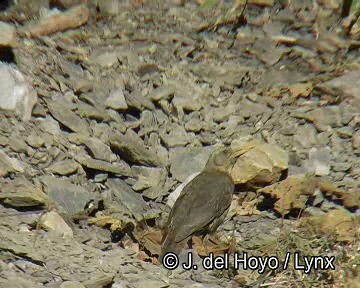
pixel 306 136
pixel 34 140
pixel 69 198
pixel 71 284
pixel 347 85
pixel 50 125
pixel 341 167
pixel 123 194
pixel 8 164
pixel 22 193
pixel 148 123
pixel 249 109
pixel 194 123
pixel 356 140
pixel 97 113
pixel 17 143
pixel 151 180
pixel 99 150
pixel 318 162
pixel 162 92
pixel 147 177
pixel 326 117
pixel 138 101
pixel 176 137
pixel 129 148
pixel 104 58
pixel 116 100
pixel 65 167
pixel 4 141
pixel 118 168
pixel 61 112
pixel 187 161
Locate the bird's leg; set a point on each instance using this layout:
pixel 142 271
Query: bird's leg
pixel 203 243
pixel 232 245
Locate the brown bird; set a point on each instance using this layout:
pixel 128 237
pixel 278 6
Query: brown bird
pixel 204 202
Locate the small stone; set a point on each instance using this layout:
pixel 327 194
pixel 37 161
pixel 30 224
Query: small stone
pixel 35 141
pixel 122 193
pixel 68 197
pixel 17 143
pixel 306 136
pixel 105 58
pixel 133 150
pixel 341 167
pixel 322 170
pixel 116 100
pixel 318 162
pixel 39 110
pixel 4 141
pixel 187 161
pixel 176 137
pixel 356 140
pixel 7 34
pixel 22 194
pixel 65 167
pixel 100 177
pixel 61 111
pixel 50 125
pixel 348 85
pixel 162 92
pixel 326 117
pixel 147 177
pixel 99 149
pixel 72 284
pixel 52 221
pixel 8 164
pixel 262 3
pixel 119 168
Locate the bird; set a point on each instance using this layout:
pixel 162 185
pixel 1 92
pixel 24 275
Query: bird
pixel 204 202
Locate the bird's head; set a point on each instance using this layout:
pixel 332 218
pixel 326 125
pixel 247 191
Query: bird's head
pixel 224 158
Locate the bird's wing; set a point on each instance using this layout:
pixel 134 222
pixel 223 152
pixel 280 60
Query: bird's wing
pixel 204 198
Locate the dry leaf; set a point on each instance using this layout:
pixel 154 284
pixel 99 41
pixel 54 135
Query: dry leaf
pixel 348 199
pixel 291 193
pixel 339 222
pixel 150 238
pixel 247 204
pixel 300 89
pixel 131 245
pixel 107 221
pixel 204 248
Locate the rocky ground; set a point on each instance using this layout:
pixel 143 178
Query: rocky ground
pixel 106 108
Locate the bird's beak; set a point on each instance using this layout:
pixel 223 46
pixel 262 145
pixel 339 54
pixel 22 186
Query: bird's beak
pixel 242 150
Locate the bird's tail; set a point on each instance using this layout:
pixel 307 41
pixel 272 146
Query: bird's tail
pixel 169 245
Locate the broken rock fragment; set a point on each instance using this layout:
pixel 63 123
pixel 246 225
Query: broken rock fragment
pixel 260 166
pixel 133 150
pixel 16 94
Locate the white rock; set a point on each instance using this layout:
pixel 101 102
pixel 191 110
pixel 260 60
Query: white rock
pixel 16 94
